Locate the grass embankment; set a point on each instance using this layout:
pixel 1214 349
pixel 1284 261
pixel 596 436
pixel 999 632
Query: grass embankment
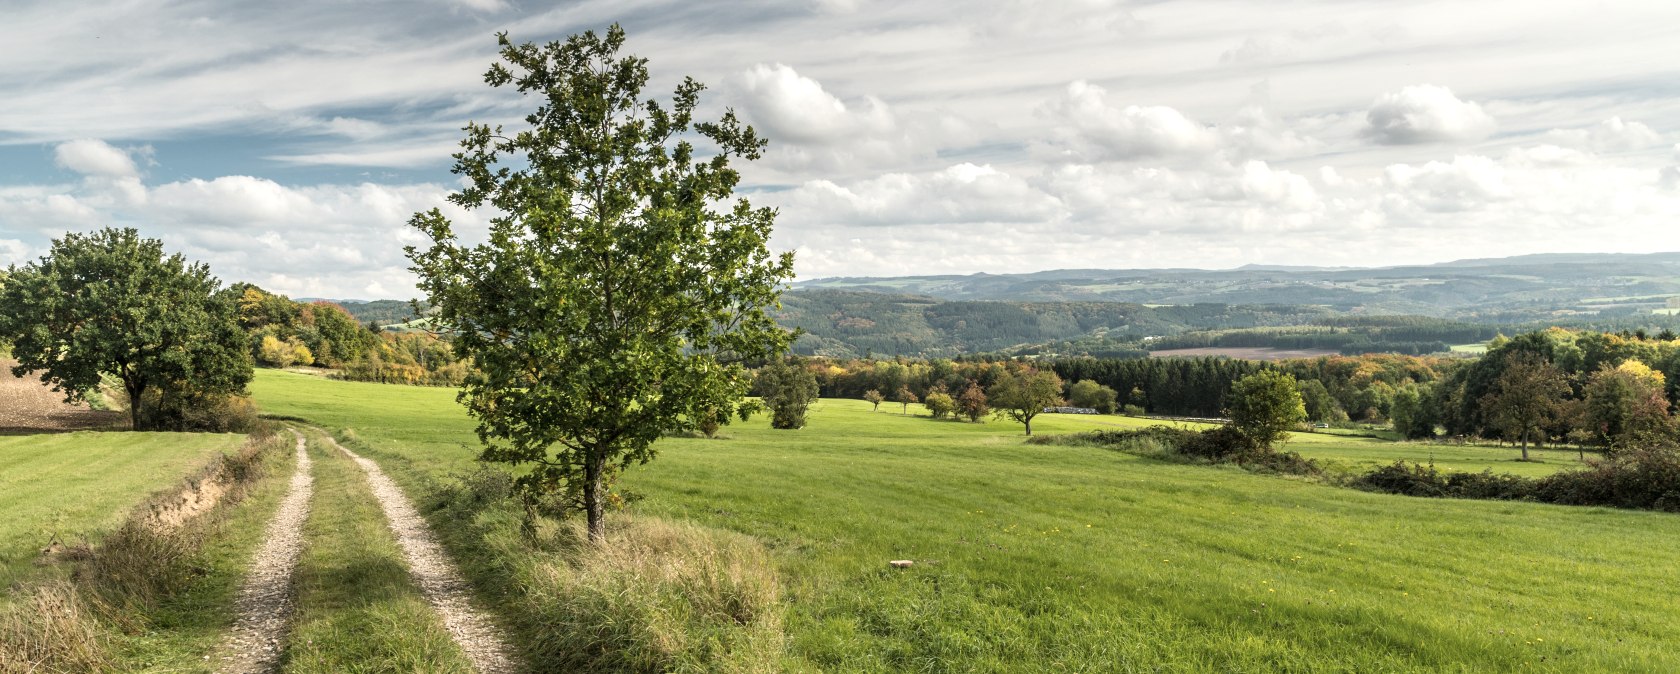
pixel 1035 558
pixel 142 599
pixel 77 486
pixel 357 606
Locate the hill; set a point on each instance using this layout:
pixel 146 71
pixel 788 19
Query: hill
pixel 1531 287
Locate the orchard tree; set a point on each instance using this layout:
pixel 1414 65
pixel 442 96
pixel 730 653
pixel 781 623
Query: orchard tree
pixel 1023 395
pixel 939 403
pixel 972 402
pixel 622 284
pixel 112 303
pixel 904 397
pixel 875 398
pixel 1528 394
pixel 787 389
pixel 1265 405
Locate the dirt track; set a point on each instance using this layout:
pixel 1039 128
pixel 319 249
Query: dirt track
pixel 442 584
pixel 265 602
pixel 27 405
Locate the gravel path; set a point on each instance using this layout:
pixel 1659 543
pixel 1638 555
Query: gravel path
pixel 443 585
pixel 265 602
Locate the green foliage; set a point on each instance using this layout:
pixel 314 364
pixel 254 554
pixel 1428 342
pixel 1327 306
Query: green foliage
pixel 1022 396
pixel 1100 598
pixel 787 389
pixel 1088 393
pixel 1625 407
pixel 612 303
pixel 341 339
pixel 415 358
pixel 1527 395
pixel 1265 405
pixel 939 403
pixel 112 302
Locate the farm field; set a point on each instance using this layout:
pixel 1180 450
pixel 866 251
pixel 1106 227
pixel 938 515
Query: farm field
pixel 77 485
pixel 27 406
pixel 1080 559
pixel 1243 353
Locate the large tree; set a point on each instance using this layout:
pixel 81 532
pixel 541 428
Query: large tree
pixel 621 285
pixel 113 303
pixel 1626 408
pixel 1265 405
pixel 1528 393
pixel 1024 395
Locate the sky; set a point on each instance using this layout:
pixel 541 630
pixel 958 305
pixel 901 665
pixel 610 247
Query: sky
pixel 288 143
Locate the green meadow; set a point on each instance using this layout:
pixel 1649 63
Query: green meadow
pixel 1063 558
pixel 76 486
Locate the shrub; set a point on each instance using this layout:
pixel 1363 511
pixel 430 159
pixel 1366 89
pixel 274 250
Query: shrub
pixel 1401 477
pixel 1487 485
pixel 1647 478
pixel 655 596
pixel 195 411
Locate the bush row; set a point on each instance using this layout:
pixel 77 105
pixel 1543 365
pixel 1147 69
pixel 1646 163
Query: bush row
pixel 1645 479
pixel 1224 444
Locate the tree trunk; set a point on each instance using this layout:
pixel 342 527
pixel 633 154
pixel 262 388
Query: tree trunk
pixel 593 499
pixel 1028 423
pixel 135 390
pixel 1525 444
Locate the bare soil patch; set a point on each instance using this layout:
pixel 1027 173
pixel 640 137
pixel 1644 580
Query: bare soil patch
pixel 1243 353
pixel 28 406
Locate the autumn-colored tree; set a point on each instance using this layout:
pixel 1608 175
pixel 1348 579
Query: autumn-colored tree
pixel 874 397
pixel 904 397
pixel 1625 407
pixel 972 402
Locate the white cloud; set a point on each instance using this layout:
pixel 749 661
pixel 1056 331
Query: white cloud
pixel 1610 135
pixel 794 107
pixel 1426 113
pixel 1466 183
pixel 94 157
pixel 1089 128
pixel 964 193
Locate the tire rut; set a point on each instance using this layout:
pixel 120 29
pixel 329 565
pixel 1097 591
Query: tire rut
pixel 437 577
pixel 265 601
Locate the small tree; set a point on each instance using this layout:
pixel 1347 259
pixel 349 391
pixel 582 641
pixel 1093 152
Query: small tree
pixel 1089 393
pixel 1265 405
pixel 972 402
pixel 1528 394
pixel 904 397
pixel 939 404
pixel 622 284
pixel 788 389
pixel 1023 395
pixel 874 397
pixel 112 303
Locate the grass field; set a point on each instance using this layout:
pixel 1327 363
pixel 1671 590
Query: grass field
pixel 1053 558
pixel 77 485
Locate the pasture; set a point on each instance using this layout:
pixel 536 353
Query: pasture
pixel 1057 558
pixel 74 486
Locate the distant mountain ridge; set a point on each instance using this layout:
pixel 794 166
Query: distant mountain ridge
pixel 1532 286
